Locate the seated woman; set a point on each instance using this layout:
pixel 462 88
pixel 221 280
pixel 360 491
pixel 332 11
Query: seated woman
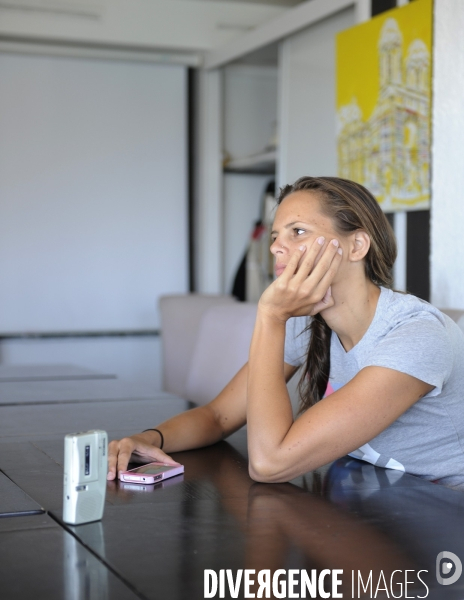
pixel 383 372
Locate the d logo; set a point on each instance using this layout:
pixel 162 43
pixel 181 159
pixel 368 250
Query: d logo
pixel 447 562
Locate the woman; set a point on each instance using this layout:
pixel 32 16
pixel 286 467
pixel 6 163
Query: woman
pixel 391 366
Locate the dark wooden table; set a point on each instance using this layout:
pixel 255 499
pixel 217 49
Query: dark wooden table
pixel 59 372
pixel 61 390
pixel 155 542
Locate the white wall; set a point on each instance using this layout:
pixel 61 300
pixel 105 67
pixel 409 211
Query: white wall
pixel 93 188
pixel 208 189
pixel 93 211
pixel 447 222
pixel 250 108
pixel 307 100
pixel 250 115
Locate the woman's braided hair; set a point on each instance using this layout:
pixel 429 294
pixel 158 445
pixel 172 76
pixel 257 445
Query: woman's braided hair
pixel 351 207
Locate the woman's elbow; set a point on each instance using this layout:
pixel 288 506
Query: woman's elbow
pixel 265 472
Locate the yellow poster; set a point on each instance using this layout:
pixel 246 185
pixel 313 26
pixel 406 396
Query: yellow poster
pixel 384 105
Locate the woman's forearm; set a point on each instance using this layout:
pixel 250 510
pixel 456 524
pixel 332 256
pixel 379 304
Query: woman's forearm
pixel 269 410
pixel 188 430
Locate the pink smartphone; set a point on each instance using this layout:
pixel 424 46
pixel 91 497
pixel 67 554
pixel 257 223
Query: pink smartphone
pixel 151 473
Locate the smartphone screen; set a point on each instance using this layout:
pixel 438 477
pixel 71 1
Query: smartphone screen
pixel 152 469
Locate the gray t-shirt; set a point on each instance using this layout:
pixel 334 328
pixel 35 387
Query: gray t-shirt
pixel 411 336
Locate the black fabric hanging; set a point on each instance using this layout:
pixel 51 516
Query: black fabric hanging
pixel 239 286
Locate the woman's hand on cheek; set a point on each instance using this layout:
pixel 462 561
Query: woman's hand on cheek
pixel 304 287
pixel 326 302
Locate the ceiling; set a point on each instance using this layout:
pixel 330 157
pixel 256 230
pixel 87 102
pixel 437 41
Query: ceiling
pixel 269 2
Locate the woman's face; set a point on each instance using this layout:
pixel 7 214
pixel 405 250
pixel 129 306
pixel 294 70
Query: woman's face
pixel 299 221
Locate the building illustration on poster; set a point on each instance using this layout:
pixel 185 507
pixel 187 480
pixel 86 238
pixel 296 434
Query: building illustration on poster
pixel 383 134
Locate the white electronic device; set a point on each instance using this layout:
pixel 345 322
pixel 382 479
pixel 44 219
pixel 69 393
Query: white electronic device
pixel 85 470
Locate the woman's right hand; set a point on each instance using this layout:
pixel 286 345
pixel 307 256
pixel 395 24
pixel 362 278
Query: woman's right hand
pixel 304 287
pixel 133 449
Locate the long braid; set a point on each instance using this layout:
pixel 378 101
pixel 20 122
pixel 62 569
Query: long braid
pixel 315 377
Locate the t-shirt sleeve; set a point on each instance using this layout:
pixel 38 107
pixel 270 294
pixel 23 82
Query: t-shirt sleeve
pixel 296 341
pixel 419 347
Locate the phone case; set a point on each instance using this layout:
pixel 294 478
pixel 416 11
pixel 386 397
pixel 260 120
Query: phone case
pixel 166 471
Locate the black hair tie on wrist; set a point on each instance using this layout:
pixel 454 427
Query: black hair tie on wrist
pixel 161 436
